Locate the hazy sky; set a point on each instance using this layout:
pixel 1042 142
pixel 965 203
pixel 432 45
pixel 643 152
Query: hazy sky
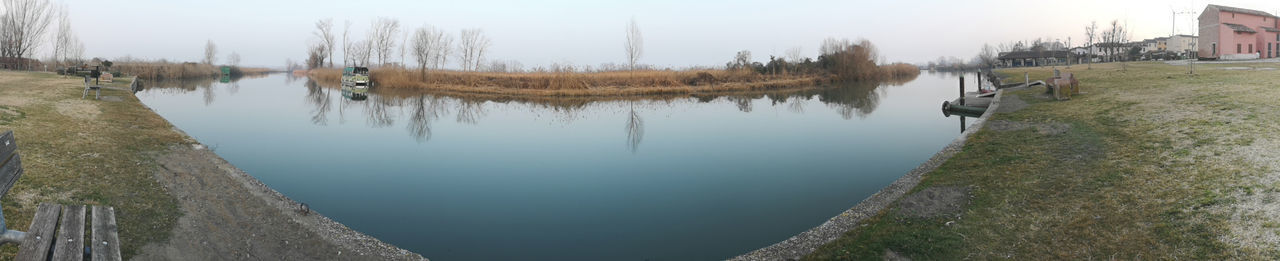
pixel 591 32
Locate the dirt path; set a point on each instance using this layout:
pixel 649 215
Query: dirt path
pixel 229 214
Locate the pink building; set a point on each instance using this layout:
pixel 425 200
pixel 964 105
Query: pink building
pixel 1230 33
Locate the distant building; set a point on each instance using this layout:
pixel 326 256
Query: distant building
pixel 1033 58
pixel 1231 33
pixel 1182 44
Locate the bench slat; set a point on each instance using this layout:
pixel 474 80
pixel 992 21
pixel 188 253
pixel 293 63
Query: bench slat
pixel 70 244
pixel 7 146
pixel 106 246
pixel 9 174
pixel 35 246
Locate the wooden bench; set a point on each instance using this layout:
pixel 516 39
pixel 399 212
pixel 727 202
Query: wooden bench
pixel 56 232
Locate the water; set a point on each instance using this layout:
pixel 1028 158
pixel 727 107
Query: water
pixel 499 179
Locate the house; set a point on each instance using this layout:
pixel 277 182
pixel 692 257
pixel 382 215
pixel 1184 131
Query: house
pixel 1231 33
pixel 1182 44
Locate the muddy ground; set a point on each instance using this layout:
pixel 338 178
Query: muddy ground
pixel 226 213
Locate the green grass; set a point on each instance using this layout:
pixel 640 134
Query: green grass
pixel 1147 170
pixel 95 160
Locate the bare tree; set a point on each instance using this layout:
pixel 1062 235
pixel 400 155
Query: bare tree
pixel 361 53
pixel 422 49
pixel 471 48
pixel 795 54
pixel 634 45
pixel 987 56
pixel 233 59
pixel 64 38
pixel 1090 36
pixel 346 43
pixel 382 37
pixel 316 55
pixel 324 31
pixel 444 46
pixel 23 24
pixel 210 52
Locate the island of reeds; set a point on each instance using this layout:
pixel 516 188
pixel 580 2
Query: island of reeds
pixel 840 61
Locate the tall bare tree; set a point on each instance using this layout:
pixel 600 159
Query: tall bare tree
pixel 210 52
pixel 23 24
pixel 324 31
pixel 422 49
pixel 346 43
pixel 1090 36
pixel 795 54
pixel 634 45
pixel 382 37
pixel 361 53
pixel 233 59
pixel 471 47
pixel 444 46
pixel 64 37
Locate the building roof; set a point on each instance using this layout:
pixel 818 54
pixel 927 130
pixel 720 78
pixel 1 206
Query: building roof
pixel 1240 28
pixel 1033 54
pixel 1242 11
pixel 1271 29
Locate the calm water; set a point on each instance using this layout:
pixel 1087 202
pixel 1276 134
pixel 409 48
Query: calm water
pixel 476 179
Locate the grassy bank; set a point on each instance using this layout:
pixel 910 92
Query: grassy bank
pixel 1151 163
pixel 85 151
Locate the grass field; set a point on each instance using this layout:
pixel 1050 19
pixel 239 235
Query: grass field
pixel 86 151
pixel 1150 163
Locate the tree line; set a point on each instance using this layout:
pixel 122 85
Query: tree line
pixel 29 26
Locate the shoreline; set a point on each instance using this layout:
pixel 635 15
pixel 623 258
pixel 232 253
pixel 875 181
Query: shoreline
pixel 205 166
pixel 806 242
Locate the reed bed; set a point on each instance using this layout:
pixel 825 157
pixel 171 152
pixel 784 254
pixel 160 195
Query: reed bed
pixel 580 84
pixel 167 70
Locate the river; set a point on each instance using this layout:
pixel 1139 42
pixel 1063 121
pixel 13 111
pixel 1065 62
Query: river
pixel 483 178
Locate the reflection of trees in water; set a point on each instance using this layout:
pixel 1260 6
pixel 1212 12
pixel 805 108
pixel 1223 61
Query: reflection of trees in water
pixel 378 111
pixel 469 111
pixel 635 129
pixel 426 108
pixel 848 99
pixel 318 97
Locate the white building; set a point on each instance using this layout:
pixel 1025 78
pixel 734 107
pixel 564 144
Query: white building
pixel 1182 43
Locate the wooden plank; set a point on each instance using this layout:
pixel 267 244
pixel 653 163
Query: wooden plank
pixel 8 146
pixel 70 240
pixel 40 236
pixel 106 246
pixel 9 174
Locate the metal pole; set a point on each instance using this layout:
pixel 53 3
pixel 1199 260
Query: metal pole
pixel 961 89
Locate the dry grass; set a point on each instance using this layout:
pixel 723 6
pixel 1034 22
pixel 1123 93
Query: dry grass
pixel 587 84
pixel 1156 164
pixel 166 70
pixel 87 152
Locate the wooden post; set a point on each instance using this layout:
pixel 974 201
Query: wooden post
pixel 979 80
pixel 962 89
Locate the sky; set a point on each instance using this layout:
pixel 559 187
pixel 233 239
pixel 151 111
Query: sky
pixel 677 33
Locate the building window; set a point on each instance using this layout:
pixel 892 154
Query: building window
pixel 1238 50
pixel 1250 48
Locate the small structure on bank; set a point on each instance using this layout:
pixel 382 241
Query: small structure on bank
pixel 1033 58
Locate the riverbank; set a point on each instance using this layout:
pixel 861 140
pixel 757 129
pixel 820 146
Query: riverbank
pixel 1150 163
pixel 173 201
pixel 602 84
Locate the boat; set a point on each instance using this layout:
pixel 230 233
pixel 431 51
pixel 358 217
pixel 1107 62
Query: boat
pixel 355 83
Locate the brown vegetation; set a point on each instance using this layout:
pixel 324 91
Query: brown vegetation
pixel 580 84
pixel 168 70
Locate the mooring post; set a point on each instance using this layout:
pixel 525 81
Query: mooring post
pixel 961 89
pixel 1026 77
pixel 979 80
